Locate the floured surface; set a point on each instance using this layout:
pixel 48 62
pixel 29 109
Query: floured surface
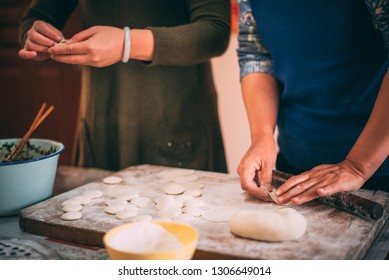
pixel 330 234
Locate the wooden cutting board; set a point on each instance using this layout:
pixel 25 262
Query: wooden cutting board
pixel 331 233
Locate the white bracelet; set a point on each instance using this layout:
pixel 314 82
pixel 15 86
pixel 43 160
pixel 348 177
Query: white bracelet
pixel 127 44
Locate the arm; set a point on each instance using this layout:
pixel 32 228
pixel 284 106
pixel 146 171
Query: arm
pixel 365 157
pixel 206 36
pixel 368 153
pixel 260 95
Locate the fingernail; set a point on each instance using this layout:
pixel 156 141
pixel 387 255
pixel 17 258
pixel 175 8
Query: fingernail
pixel 269 186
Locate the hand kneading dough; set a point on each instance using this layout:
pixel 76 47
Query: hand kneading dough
pixel 279 225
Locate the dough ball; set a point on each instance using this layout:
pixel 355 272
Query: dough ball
pixel 268 225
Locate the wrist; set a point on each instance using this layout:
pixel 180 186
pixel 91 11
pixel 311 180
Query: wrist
pixel 142 44
pixel 358 169
pixel 127 44
pixel 262 134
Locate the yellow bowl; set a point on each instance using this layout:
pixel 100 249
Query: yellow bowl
pixel 185 234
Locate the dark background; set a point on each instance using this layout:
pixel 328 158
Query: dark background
pixel 25 85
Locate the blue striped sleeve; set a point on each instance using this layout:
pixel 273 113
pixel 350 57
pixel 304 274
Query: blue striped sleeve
pixel 252 55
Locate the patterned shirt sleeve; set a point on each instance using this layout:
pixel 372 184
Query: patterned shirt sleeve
pixel 379 10
pixel 252 55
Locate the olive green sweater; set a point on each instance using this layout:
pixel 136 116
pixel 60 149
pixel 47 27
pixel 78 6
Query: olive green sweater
pixel 163 112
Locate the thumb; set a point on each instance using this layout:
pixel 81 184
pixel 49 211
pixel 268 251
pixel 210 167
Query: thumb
pixel 83 35
pixel 265 176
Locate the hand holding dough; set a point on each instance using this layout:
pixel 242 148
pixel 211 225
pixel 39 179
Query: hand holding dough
pixel 279 225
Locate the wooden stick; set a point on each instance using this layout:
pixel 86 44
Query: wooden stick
pixel 39 118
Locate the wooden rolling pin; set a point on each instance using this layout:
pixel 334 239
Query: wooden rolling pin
pixel 349 202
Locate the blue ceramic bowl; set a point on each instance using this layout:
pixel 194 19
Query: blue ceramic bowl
pixel 29 180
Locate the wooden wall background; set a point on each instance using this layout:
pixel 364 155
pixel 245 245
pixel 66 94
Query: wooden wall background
pixel 25 85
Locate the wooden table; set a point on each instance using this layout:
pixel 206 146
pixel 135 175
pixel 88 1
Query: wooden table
pixel 331 233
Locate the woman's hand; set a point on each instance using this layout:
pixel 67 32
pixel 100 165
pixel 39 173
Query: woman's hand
pixel 97 46
pixel 322 180
pixel 256 168
pixel 40 38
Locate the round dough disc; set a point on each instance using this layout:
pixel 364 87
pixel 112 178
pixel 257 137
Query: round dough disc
pixel 196 202
pixel 169 211
pixel 127 195
pixel 194 193
pixel 86 200
pixel 116 201
pixel 114 208
pixel 71 216
pixel 74 200
pixel 112 180
pixel 72 208
pixel 174 189
pixel 194 211
pixel 126 214
pixel 141 202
